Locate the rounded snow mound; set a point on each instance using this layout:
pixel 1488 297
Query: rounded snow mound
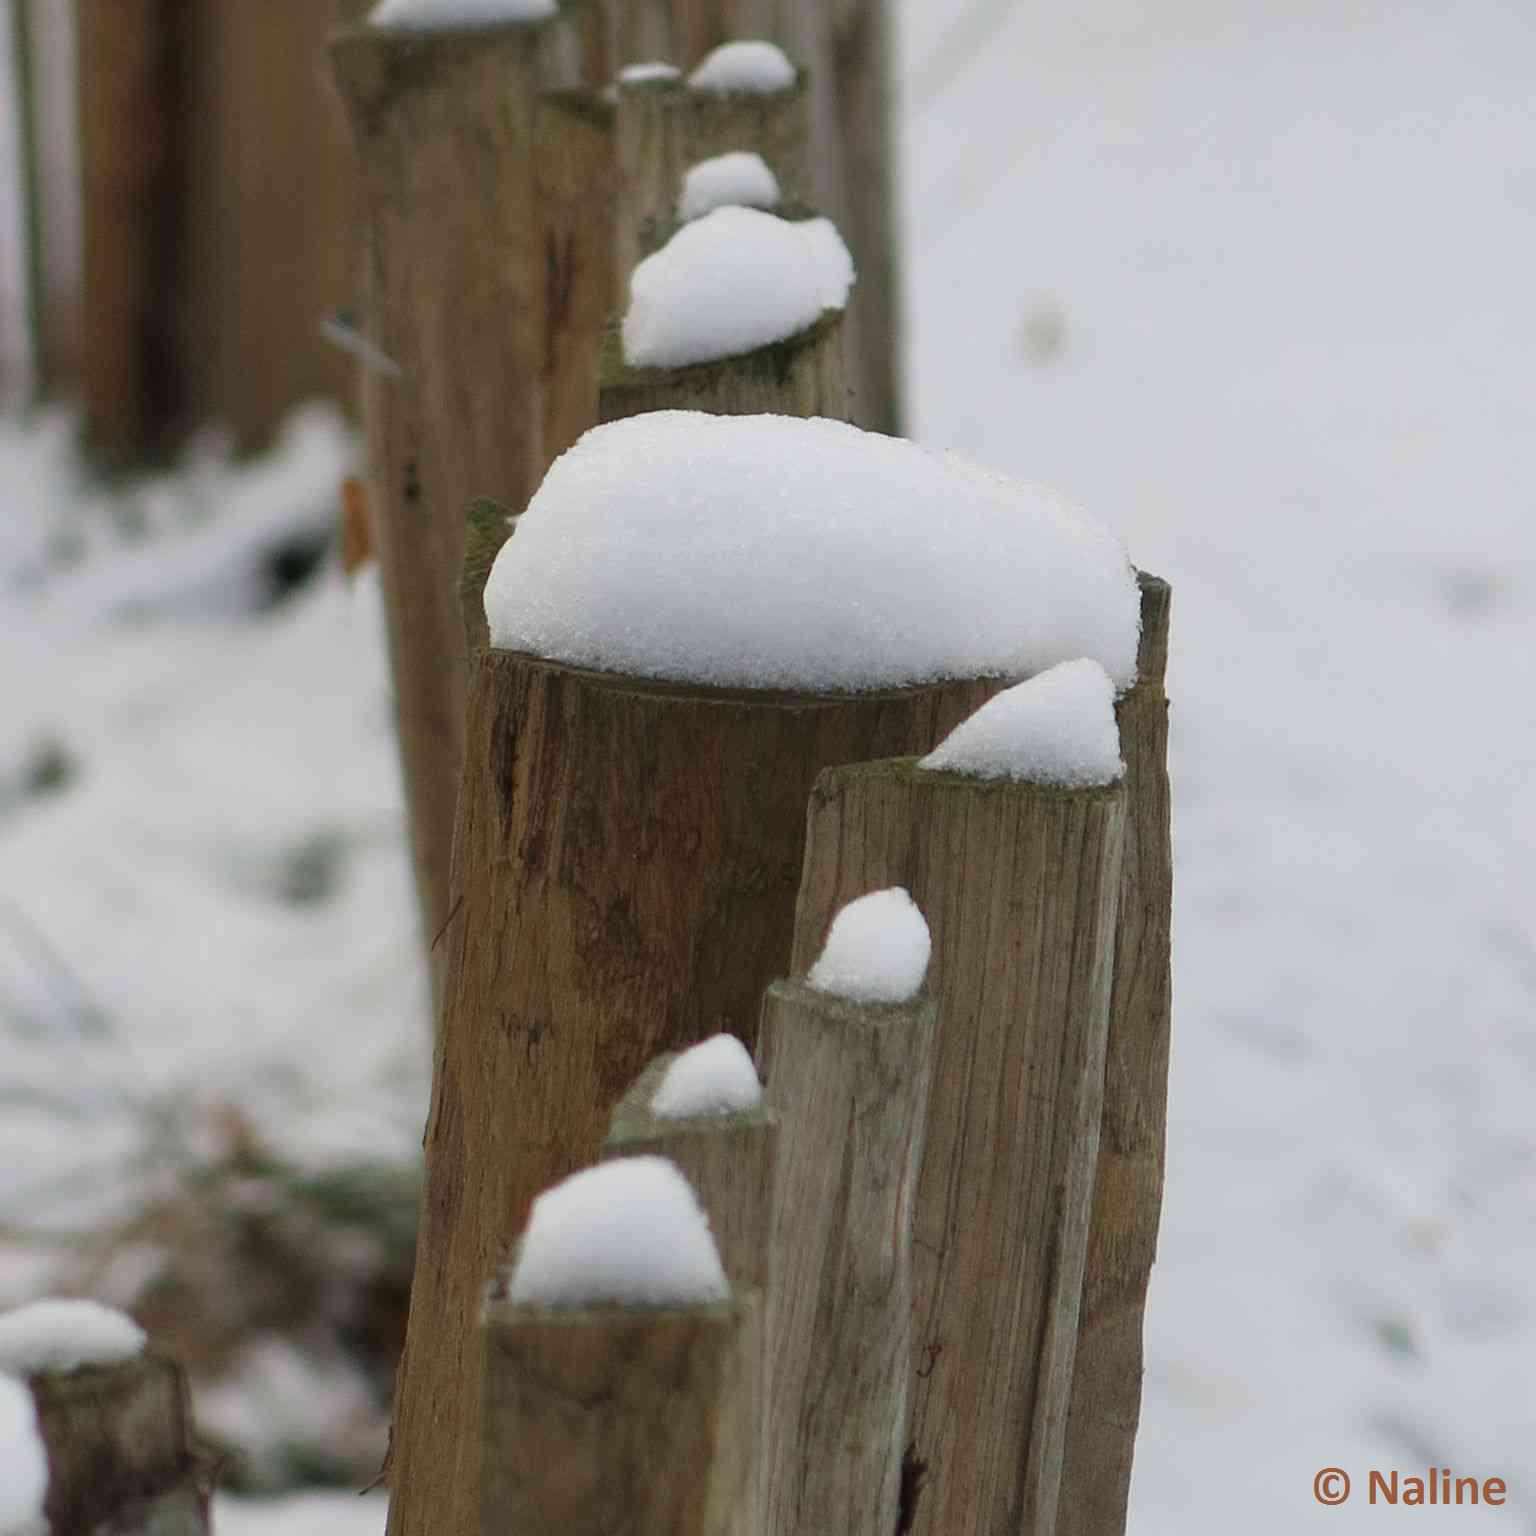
pixel 64 1334
pixel 877 950
pixel 780 552
pixel 625 1233
pixel 733 280
pixel 738 179
pixel 1058 728
pixel 750 67
pixel 444 15
pixel 714 1078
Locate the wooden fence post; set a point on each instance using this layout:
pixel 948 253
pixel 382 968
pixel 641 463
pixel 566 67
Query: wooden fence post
pixel 1020 885
pixel 845 48
pixel 662 130
pixel 850 1083
pixel 121 1451
pixel 614 1419
pixel 133 68
pixel 490 248
pixel 629 853
pixel 1128 1192
pixel 729 1159
pixel 801 376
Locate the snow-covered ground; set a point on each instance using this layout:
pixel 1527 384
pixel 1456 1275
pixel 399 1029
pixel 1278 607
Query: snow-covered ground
pixel 205 897
pixel 1248 279
pixel 1253 282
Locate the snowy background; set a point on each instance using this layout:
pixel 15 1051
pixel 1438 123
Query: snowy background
pixel 1250 280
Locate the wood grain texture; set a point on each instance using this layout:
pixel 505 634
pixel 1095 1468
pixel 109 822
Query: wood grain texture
pixel 630 855
pixel 121 1455
pixel 614 1420
pixel 489 200
pixel 1128 1194
pixel 1020 886
pixel 803 376
pixel 850 1084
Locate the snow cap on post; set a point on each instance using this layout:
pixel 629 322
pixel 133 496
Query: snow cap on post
pixel 732 281
pixel 802 554
pixel 23 1461
pixel 1057 728
pixel 877 950
pixel 625 1233
pixel 446 15
pixel 652 72
pixel 64 1334
pixel 752 68
pixel 740 178
pixel 715 1077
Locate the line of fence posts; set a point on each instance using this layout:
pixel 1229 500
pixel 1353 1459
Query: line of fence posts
pixel 1026 890
pixel 504 212
pixel 708 874
pixel 923 1224
pixel 939 1231
pixel 935 1169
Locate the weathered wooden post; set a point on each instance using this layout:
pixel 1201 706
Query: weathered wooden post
pixel 845 49
pixel 727 1155
pixel 629 840
pixel 702 1110
pixel 630 852
pixel 133 173
pixel 1128 1190
pixel 849 1080
pixel 1020 882
pixel 115 1431
pixel 801 376
pixel 613 1400
pixel 662 130
pixel 489 253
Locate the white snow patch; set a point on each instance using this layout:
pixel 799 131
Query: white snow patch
pixel 1058 728
pixel 756 68
pixel 442 15
pixel 730 282
pixel 23 1461
pixel 877 950
pixel 304 1514
pixel 276 1398
pixel 739 179
pixel 63 1335
pixel 626 1233
pixel 714 1078
pixel 802 554
pixel 649 73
